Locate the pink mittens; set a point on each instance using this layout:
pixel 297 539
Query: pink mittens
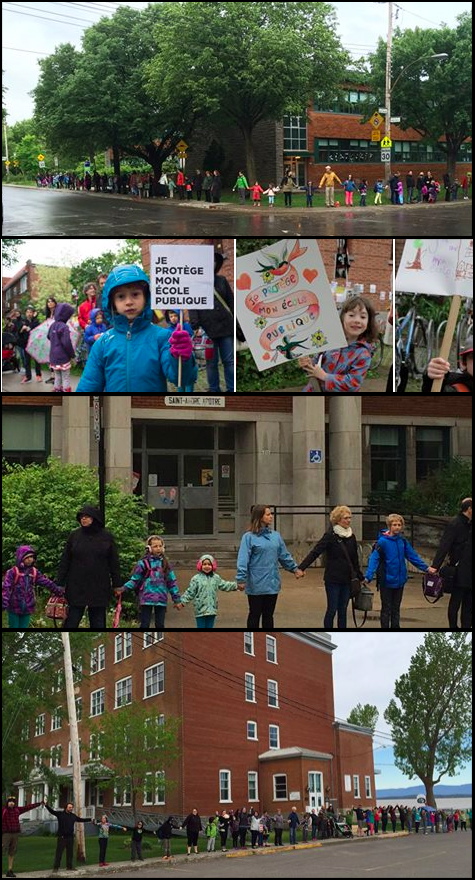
pixel 180 344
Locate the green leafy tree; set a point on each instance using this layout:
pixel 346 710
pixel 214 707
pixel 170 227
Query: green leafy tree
pixel 135 741
pixel 40 505
pixel 29 660
pixel 258 62
pixel 9 250
pixel 88 270
pixel 431 715
pixel 431 96
pixel 364 716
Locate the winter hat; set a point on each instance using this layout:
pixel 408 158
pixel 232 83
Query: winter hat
pixel 210 558
pixel 23 551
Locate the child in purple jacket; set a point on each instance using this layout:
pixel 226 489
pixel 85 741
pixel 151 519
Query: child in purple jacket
pixel 62 349
pixel 18 589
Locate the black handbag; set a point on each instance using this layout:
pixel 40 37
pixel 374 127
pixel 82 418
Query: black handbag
pixel 448 574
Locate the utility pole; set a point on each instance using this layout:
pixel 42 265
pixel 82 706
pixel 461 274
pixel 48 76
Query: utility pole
pixel 98 409
pixel 75 751
pixel 387 118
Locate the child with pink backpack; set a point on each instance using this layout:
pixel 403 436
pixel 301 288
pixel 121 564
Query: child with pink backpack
pixel 18 589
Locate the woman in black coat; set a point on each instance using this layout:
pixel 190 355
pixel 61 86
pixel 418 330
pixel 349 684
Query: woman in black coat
pixel 89 568
pixel 342 564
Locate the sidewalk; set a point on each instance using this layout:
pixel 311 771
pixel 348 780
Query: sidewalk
pixel 302 604
pixel 114 867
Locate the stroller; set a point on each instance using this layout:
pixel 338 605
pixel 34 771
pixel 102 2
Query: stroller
pixel 9 358
pixel 342 829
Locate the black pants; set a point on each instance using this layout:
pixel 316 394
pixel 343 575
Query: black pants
pixel 103 841
pixel 278 836
pixel 460 597
pixel 97 617
pixel 261 606
pixel 390 607
pixel 146 616
pixel 67 844
pixel 242 836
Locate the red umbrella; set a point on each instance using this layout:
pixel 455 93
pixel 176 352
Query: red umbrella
pixel 117 612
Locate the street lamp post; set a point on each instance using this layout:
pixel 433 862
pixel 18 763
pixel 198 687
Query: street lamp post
pixel 390 86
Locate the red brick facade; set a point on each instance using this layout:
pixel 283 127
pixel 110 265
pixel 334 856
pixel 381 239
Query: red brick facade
pixel 204 685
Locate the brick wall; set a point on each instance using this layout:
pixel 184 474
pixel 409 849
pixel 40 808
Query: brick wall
pixel 430 407
pixel 372 264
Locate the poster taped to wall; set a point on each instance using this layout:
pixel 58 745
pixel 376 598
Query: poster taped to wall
pixel 436 267
pixel 284 303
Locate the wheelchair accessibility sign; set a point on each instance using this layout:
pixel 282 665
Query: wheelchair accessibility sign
pixel 316 456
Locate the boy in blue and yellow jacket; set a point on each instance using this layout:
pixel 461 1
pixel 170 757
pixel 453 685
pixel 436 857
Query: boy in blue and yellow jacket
pixel 134 354
pixel 154 579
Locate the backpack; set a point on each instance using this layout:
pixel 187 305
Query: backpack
pixel 375 188
pixel 17 575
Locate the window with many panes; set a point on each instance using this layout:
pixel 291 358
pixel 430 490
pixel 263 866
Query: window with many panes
pixel 151 638
pixel 56 719
pixel 249 643
pixel 272 693
pixel 98 659
pixel 252 786
pixel 356 786
pixel 274 736
pixel 250 687
pixel 225 786
pixel 252 730
pixel 97 702
pixel 39 725
pixel 154 680
pixel 271 649
pixel 123 692
pixel 367 786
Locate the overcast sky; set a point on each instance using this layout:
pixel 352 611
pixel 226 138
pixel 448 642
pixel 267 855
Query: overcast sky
pixel 61 251
pixel 33 30
pixel 365 668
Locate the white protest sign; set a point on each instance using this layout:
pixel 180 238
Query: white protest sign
pixel 436 267
pixel 182 276
pixel 284 303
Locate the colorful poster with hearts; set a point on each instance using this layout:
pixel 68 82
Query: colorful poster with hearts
pixel 284 303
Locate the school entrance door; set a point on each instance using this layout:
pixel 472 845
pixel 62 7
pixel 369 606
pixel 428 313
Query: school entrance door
pixel 192 491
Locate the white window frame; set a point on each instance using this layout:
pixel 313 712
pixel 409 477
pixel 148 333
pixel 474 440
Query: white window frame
pixel 250 684
pixel 151 638
pixel 98 659
pixel 356 787
pixel 252 779
pixel 255 737
pixel 122 647
pixel 56 719
pixel 126 689
pixel 55 757
pixel 78 702
pixel 274 778
pixel 160 680
pixel 275 728
pixel 95 746
pixel 102 699
pixel 229 799
pixel 367 785
pixel 272 693
pixel 271 649
pixel 249 643
pixel 40 724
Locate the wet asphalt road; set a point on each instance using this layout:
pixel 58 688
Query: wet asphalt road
pixel 39 212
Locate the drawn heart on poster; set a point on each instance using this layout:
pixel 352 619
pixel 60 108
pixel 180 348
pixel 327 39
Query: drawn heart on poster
pixel 244 282
pixel 309 274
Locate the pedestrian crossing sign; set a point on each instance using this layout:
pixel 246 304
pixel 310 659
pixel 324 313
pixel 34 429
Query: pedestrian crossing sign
pixel 386 143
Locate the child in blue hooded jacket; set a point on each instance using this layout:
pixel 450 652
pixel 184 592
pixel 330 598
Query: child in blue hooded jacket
pixel 203 591
pixel 134 354
pixel 393 549
pixel 95 328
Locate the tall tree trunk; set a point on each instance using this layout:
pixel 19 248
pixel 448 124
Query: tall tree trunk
pixel 116 162
pixel 249 150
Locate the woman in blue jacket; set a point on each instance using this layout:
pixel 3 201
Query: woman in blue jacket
pixel 259 556
pixel 135 355
pixel 392 550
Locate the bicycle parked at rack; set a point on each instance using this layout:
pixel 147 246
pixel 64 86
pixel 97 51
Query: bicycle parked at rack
pixel 414 344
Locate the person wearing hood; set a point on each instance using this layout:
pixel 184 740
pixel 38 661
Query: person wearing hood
pixel 261 552
pixel 203 591
pixel 453 382
pixel 18 589
pixel 89 569
pixel 95 328
pixel 62 349
pixel 218 324
pixel 134 354
pixel 391 551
